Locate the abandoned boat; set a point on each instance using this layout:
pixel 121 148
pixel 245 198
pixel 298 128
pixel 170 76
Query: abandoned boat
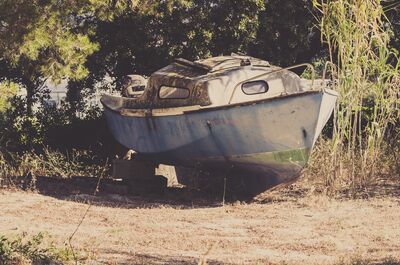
pixel 233 113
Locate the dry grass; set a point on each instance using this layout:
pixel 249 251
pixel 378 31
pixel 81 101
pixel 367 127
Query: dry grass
pixel 132 230
pixel 22 169
pixel 319 170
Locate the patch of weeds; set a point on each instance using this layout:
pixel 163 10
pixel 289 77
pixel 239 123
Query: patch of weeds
pixel 57 164
pixel 361 260
pixel 21 170
pixel 32 250
pixel 355 260
pixel 389 261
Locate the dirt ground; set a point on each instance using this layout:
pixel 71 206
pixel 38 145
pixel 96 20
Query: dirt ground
pixel 180 229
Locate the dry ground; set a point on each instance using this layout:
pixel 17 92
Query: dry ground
pixel 120 229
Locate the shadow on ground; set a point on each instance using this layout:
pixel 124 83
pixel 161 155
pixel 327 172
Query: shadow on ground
pixel 140 258
pixel 115 193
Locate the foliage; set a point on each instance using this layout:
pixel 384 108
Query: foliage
pixel 138 42
pixel 46 39
pixel 42 40
pixel 6 170
pixel 392 12
pixel 368 84
pixel 7 90
pixel 48 125
pixel 287 33
pixel 21 250
pixel 20 131
pixel 51 39
pixel 57 164
pixel 49 163
pixel 55 34
pixel 30 144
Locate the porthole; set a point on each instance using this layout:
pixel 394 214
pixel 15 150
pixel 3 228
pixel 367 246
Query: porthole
pixel 169 92
pixel 255 87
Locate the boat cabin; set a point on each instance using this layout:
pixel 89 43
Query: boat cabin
pixel 212 82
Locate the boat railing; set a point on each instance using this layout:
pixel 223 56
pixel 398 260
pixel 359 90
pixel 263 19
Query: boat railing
pixel 274 72
pixel 332 66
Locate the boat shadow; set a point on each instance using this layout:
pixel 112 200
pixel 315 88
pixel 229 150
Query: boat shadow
pixel 115 193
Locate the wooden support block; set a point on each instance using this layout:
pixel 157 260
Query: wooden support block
pixel 168 172
pixel 155 184
pixel 141 176
pixel 131 169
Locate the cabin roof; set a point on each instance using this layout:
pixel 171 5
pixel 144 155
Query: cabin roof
pixel 227 62
pixel 182 72
pixel 210 66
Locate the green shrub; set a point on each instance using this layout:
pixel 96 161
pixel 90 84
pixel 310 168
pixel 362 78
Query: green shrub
pixel 7 90
pixel 33 250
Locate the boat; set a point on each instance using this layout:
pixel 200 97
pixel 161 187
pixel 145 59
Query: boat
pixel 235 114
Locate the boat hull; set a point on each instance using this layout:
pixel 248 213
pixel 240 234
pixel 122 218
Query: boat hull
pixel 271 138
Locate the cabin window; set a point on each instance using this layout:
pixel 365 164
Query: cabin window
pixel 255 87
pixel 169 92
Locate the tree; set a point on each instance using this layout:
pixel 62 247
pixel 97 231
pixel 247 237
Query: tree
pixel 138 42
pixel 50 39
pixel 287 33
pixel 41 40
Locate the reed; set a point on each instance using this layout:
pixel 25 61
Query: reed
pixel 357 34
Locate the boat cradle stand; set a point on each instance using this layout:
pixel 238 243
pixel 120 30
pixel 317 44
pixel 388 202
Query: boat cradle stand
pixel 143 177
